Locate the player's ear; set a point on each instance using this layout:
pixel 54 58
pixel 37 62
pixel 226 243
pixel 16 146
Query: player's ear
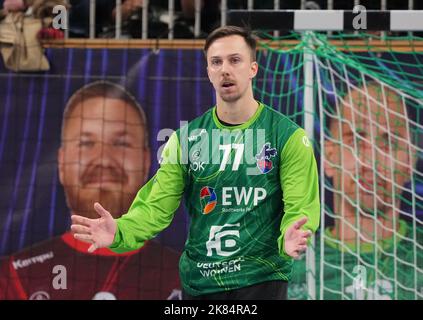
pixel 329 160
pixel 254 69
pixel 60 163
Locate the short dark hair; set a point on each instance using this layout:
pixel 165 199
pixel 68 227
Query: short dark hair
pixel 104 89
pixel 227 31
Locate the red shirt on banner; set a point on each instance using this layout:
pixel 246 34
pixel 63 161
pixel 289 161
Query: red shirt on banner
pixel 61 268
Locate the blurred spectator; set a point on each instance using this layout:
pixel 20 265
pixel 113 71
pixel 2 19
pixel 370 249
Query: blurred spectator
pixel 158 15
pixel 158 22
pixel 22 24
pixel 105 15
pixel 14 5
pixel 41 9
pixel 210 11
pixel 7 6
pixel 79 17
pixel 128 7
pixel 210 14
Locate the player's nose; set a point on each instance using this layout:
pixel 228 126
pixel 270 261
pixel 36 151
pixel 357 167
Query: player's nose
pixel 106 154
pixel 225 68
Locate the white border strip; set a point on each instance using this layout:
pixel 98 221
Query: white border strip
pixel 318 19
pixel 405 20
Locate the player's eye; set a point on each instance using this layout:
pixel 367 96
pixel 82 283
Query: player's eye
pixel 392 142
pixel 122 143
pixel 235 60
pixel 383 141
pixel 216 62
pixel 86 143
pixel 360 133
pixel 395 145
pixel 360 137
pixel 351 138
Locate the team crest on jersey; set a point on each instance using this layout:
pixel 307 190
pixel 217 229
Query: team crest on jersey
pixel 263 158
pixel 208 199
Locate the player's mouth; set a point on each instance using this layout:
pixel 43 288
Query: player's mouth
pixel 366 184
pixel 369 184
pixel 227 85
pixel 103 181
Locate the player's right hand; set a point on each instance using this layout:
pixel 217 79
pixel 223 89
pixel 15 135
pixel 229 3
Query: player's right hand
pixel 99 232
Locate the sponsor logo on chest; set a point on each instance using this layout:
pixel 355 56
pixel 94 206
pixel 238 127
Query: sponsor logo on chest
pixel 237 198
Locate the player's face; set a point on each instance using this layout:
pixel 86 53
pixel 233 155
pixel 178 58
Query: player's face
pixel 230 67
pixel 103 156
pixel 371 147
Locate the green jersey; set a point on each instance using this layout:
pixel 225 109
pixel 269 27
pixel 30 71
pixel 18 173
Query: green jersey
pixel 244 186
pixel 381 273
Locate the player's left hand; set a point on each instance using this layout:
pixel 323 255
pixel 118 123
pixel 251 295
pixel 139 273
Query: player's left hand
pixel 295 239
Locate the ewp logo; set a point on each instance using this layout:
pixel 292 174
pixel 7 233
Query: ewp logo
pixel 208 199
pixel 263 158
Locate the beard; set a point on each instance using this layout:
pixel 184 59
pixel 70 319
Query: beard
pixel 230 97
pixel 81 201
pixel 237 94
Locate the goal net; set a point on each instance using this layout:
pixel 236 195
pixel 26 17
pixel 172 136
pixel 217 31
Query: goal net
pixel 359 97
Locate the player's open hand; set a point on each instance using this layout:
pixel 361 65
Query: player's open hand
pixel 295 240
pixel 99 232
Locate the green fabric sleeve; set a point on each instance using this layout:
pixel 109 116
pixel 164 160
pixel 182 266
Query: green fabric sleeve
pixel 300 185
pixel 155 204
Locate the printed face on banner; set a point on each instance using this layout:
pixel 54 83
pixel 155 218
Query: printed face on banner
pixel 103 156
pixel 369 157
